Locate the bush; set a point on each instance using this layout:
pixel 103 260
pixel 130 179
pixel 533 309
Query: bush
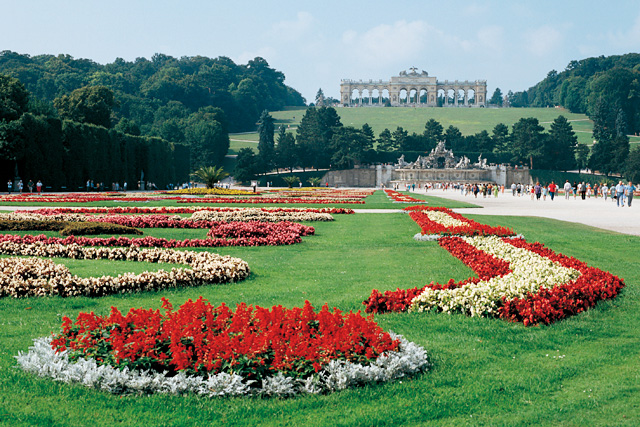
pixel 92 228
pixel 28 225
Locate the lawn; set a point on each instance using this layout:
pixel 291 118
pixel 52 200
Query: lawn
pixel 580 371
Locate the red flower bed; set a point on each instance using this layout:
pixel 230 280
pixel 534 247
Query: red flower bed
pixel 472 228
pixel 199 338
pixel 80 198
pixel 550 305
pixel 484 265
pixel 237 234
pixel 403 198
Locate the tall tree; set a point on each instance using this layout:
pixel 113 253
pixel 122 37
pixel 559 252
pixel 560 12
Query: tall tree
pixel 527 140
pixel 453 139
pixel 266 144
pixel 245 167
pixel 433 132
pixel 496 98
pixel 14 98
pixel 561 148
pixel 89 104
pixel 286 152
pixel 349 146
pixel 386 143
pixel 500 136
pixel 320 98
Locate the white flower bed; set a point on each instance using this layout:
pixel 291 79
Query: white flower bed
pixel 445 219
pixel 21 277
pixel 530 272
pixel 43 361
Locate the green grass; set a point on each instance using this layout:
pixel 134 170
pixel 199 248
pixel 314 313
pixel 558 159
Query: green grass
pixel 486 371
pixel 468 120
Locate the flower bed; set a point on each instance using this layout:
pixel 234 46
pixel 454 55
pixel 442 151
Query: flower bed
pixel 217 351
pixel 517 281
pixel 213 191
pixel 25 277
pixel 83 197
pixel 401 198
pixel 443 221
pixel 271 200
pixel 230 234
pixel 202 219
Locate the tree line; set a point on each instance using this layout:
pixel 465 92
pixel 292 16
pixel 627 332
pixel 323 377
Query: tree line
pixel 194 101
pixel 322 141
pixel 36 144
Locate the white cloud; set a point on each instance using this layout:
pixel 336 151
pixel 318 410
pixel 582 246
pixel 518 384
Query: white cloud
pixel 543 41
pixel 290 30
pixel 627 40
pixel 267 53
pixel 491 39
pixel 388 44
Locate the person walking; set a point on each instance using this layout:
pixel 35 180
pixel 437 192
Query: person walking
pixel 9 186
pixel 620 194
pixel 30 185
pixel 39 187
pixel 567 190
pixel 628 191
pixel 605 191
pixel 552 190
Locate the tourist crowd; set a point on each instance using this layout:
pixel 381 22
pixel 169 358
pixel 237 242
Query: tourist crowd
pixel 620 193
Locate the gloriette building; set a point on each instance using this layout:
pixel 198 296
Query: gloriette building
pixel 413 89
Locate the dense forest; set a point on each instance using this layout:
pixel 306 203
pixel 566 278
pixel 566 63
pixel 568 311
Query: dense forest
pixel 612 80
pixel 190 101
pixel 161 96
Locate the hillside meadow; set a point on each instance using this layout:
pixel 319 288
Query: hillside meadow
pixel 468 120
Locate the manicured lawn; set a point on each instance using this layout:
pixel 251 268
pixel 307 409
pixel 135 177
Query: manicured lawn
pixel 580 371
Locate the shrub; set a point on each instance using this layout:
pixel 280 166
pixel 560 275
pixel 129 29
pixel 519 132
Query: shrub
pixel 92 228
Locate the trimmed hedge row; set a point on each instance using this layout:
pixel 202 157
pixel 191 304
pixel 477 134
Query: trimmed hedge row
pixel 68 228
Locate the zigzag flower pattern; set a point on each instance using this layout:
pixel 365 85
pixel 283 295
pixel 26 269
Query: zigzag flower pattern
pixel 517 281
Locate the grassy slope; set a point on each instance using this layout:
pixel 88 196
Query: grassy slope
pixel 487 372
pixel 468 120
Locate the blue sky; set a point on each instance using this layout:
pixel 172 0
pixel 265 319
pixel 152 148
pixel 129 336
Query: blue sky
pixel 511 44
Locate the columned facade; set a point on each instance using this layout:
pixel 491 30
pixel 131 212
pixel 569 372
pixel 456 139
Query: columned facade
pixel 413 89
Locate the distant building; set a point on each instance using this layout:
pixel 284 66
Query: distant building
pixel 413 89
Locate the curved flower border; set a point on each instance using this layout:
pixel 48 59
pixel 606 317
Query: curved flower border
pixel 22 277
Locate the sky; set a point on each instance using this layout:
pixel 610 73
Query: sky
pixel 511 44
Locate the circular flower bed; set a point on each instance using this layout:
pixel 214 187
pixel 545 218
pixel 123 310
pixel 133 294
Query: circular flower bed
pixel 217 351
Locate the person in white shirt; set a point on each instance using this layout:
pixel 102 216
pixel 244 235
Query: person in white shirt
pixel 567 190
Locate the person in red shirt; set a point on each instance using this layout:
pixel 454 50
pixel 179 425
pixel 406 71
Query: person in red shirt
pixel 552 189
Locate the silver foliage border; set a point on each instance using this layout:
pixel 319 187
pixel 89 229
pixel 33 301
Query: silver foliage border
pixel 43 361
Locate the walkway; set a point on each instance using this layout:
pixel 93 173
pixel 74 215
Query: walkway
pixel 593 212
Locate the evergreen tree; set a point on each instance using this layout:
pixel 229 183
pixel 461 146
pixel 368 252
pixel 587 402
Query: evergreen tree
pixel 386 143
pixel 496 98
pixel 560 154
pixel 500 136
pixel 527 140
pixel 245 165
pixel 286 153
pixel 266 144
